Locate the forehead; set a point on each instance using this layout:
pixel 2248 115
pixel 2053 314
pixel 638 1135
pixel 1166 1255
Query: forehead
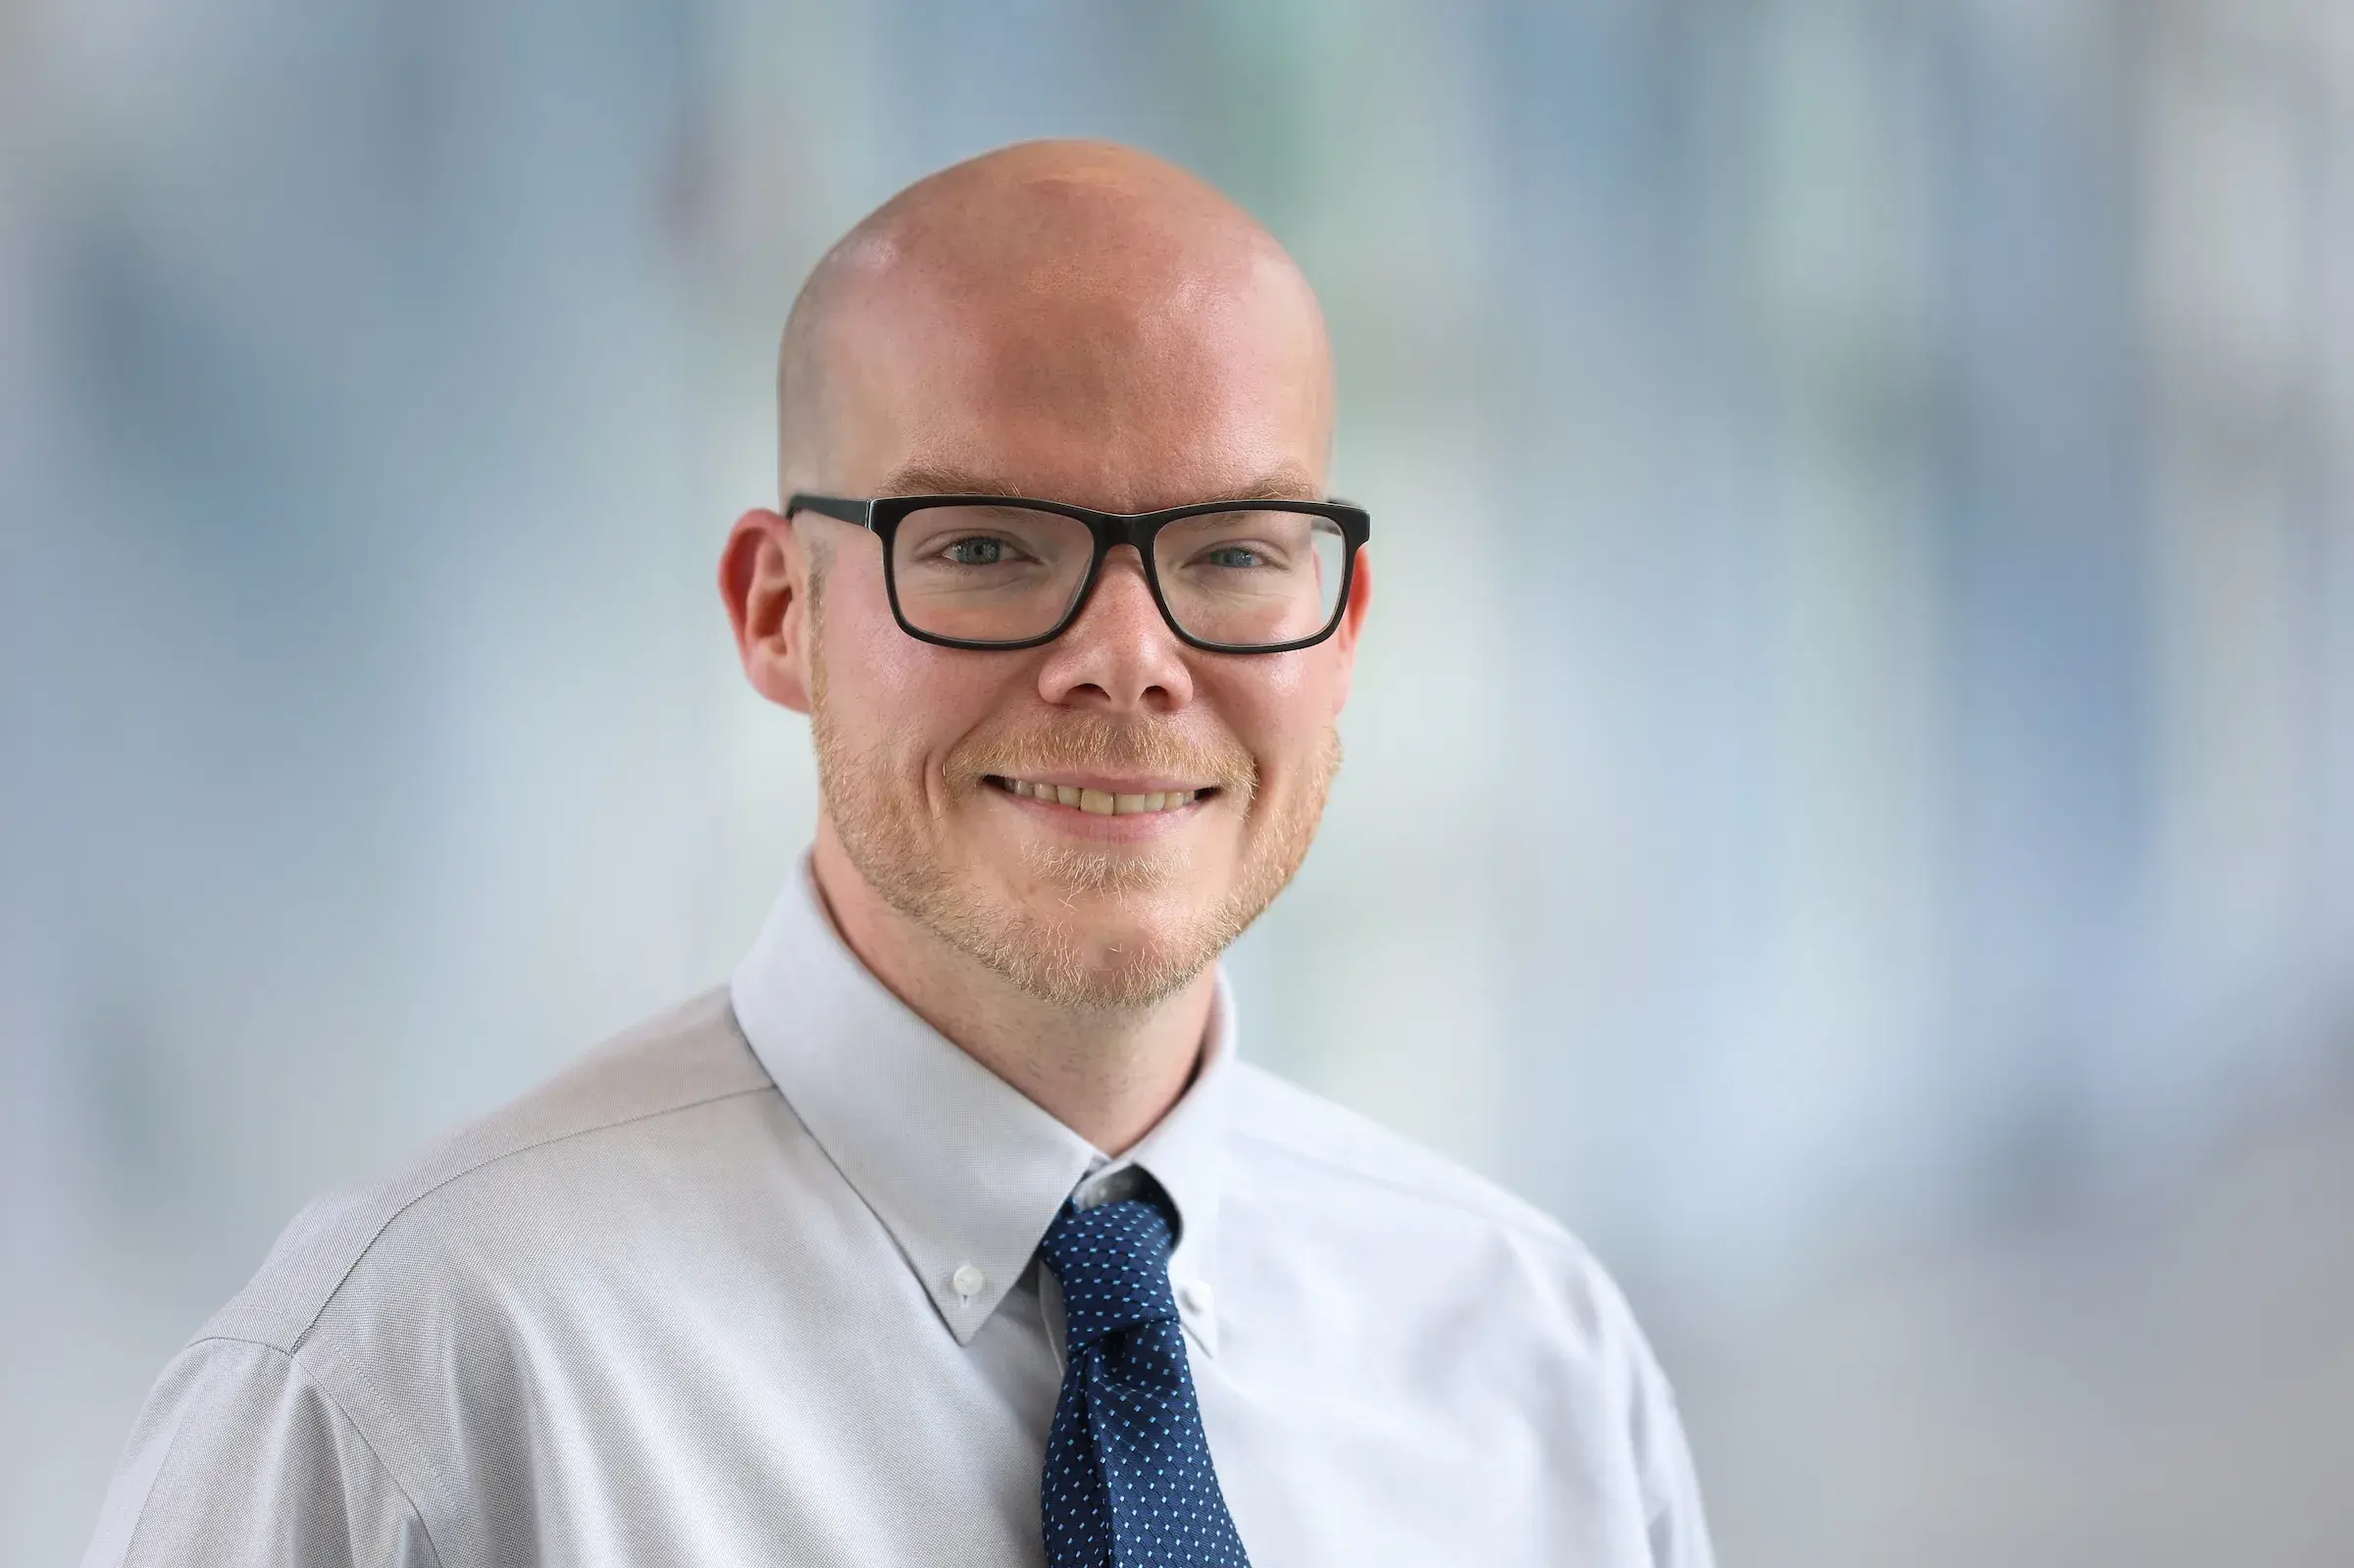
pixel 1128 389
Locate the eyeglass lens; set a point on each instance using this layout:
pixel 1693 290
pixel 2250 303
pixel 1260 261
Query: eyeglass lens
pixel 1007 574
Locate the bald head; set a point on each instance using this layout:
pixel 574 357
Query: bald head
pixel 1064 314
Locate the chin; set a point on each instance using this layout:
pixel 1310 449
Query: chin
pixel 1100 950
pixel 1081 926
pixel 1127 977
pixel 1103 930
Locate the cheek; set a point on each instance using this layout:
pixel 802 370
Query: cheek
pixel 1282 713
pixel 891 695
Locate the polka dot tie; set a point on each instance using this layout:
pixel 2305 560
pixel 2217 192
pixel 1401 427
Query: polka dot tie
pixel 1128 1479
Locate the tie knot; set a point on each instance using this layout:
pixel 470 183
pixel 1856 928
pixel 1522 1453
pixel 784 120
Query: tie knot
pixel 1114 1264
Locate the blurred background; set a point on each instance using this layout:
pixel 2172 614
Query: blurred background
pixel 1847 790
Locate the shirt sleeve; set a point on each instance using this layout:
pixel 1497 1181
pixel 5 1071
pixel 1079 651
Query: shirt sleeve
pixel 241 1460
pixel 1679 1534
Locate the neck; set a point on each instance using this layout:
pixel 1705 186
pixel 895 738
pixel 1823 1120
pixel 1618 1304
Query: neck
pixel 1108 1075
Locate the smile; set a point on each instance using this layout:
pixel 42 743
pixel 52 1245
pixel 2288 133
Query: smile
pixel 1101 802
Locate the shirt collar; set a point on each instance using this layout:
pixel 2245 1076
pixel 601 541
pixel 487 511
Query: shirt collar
pixel 963 1170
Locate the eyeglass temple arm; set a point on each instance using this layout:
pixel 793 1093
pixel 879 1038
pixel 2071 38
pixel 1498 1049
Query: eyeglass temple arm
pixel 861 512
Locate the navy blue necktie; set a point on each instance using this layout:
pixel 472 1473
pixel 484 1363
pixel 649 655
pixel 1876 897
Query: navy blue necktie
pixel 1128 1477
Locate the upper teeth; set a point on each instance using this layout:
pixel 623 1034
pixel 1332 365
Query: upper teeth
pixel 1103 802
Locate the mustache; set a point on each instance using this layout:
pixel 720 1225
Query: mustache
pixel 1084 743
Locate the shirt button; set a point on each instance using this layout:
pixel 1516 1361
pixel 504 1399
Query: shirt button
pixel 1193 1296
pixel 968 1280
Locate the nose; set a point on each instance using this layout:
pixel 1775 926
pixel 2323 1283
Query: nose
pixel 1119 656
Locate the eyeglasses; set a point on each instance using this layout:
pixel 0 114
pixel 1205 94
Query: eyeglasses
pixel 1004 571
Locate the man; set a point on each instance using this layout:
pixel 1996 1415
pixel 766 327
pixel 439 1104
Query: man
pixel 951 1231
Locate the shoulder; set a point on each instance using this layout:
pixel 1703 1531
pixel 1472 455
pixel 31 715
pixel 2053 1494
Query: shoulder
pixel 239 1456
pixel 600 1113
pixel 1325 1174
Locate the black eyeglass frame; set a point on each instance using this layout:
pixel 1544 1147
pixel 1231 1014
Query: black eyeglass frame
pixel 883 514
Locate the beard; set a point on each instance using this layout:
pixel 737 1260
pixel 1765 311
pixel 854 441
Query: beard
pixel 1168 936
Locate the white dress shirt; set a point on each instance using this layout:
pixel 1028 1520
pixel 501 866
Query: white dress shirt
pixel 756 1283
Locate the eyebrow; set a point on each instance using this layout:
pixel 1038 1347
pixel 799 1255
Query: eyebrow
pixel 1280 484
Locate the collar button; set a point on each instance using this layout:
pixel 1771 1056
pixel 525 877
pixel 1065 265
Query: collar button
pixel 967 1281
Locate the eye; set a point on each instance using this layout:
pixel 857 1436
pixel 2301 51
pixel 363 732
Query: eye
pixel 1241 557
pixel 976 551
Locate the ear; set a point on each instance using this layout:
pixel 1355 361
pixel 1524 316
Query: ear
pixel 1353 617
pixel 764 581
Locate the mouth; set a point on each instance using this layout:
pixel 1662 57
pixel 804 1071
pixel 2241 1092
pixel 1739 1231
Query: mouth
pixel 1102 802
